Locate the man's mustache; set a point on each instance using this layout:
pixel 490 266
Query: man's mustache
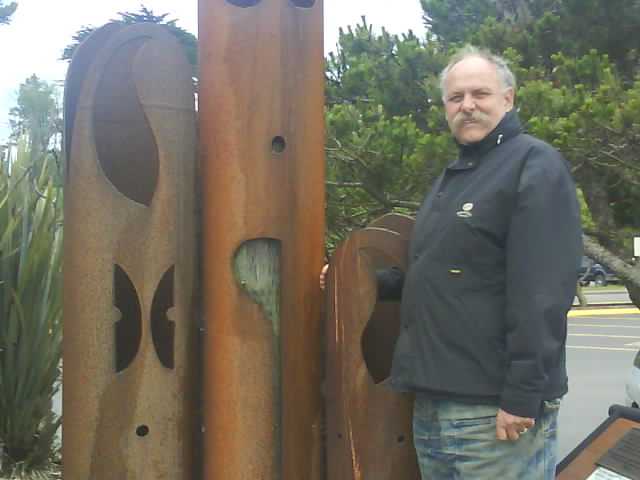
pixel 476 116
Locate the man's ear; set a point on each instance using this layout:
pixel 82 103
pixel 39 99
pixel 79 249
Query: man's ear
pixel 508 99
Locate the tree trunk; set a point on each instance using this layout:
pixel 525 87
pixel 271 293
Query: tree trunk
pixel 582 298
pixel 595 195
pixel 629 273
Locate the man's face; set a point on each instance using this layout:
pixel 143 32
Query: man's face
pixel 474 100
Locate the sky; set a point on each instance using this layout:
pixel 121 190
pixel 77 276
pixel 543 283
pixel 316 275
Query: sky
pixel 40 30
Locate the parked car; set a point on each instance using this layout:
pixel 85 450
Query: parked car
pixel 596 273
pixel 633 383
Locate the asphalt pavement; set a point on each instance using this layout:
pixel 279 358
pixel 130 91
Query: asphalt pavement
pixel 601 345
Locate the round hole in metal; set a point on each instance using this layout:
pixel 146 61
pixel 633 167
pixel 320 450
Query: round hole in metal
pixel 142 431
pixel 244 3
pixel 278 144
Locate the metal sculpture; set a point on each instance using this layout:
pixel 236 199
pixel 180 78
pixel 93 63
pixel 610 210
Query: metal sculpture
pixel 262 146
pixel 130 393
pixel 368 426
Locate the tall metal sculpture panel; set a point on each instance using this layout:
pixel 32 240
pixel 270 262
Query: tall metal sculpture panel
pixel 262 137
pixel 369 434
pixel 129 269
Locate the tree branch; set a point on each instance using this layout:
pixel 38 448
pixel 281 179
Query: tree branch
pixel 628 273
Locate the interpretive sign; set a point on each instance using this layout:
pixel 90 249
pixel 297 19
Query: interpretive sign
pixel 604 474
pixel 624 456
pixel 610 452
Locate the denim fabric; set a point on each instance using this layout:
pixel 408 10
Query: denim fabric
pixel 457 441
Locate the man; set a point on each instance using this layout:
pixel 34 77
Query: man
pixel 493 261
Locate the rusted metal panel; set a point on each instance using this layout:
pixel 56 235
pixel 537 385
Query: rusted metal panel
pixel 129 259
pixel 396 222
pixel 368 426
pixel 261 111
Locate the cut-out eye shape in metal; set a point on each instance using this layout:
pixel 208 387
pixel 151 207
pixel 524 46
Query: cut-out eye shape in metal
pixel 162 328
pixel 76 76
pixel 129 327
pixel 303 3
pixel 125 145
pixel 378 340
pixel 244 3
pixel 379 336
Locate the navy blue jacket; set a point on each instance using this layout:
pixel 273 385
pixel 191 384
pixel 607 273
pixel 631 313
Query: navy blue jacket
pixel 494 258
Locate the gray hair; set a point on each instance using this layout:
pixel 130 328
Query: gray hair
pixel 506 76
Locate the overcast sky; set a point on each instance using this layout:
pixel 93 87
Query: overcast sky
pixel 40 29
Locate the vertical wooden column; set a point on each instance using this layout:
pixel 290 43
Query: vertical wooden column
pixel 262 139
pixel 129 259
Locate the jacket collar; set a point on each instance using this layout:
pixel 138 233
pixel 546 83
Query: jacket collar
pixel 508 128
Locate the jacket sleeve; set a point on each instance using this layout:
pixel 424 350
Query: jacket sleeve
pixel 543 252
pixel 390 282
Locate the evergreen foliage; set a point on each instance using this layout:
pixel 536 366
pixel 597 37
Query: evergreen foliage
pixel 381 124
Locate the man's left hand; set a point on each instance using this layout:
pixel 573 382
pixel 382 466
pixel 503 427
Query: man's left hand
pixel 510 427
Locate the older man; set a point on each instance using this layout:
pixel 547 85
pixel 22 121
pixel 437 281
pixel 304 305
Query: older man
pixel 494 257
pixel 493 262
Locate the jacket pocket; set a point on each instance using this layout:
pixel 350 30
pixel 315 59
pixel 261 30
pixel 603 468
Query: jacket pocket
pixel 470 312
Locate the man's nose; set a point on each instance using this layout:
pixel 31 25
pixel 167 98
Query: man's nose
pixel 468 103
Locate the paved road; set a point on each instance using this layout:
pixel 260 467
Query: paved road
pixel 601 346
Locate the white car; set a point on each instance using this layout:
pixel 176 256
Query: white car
pixel 633 383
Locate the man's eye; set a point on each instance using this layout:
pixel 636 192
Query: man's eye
pixel 455 98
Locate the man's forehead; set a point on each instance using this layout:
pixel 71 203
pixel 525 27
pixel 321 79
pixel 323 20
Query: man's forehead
pixel 472 70
pixel 473 62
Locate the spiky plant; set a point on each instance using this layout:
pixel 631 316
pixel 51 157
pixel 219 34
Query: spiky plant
pixel 30 310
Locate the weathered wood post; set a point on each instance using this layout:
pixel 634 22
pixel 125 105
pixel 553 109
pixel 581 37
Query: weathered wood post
pixel 130 355
pixel 262 137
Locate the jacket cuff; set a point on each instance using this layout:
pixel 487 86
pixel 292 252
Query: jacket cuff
pixel 521 404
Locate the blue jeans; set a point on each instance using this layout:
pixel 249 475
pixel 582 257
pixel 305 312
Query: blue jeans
pixel 457 441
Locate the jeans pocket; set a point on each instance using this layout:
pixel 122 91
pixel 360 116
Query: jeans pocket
pixel 549 420
pixel 473 421
pixel 551 405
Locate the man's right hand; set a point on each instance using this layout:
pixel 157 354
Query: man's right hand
pixel 510 427
pixel 323 276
